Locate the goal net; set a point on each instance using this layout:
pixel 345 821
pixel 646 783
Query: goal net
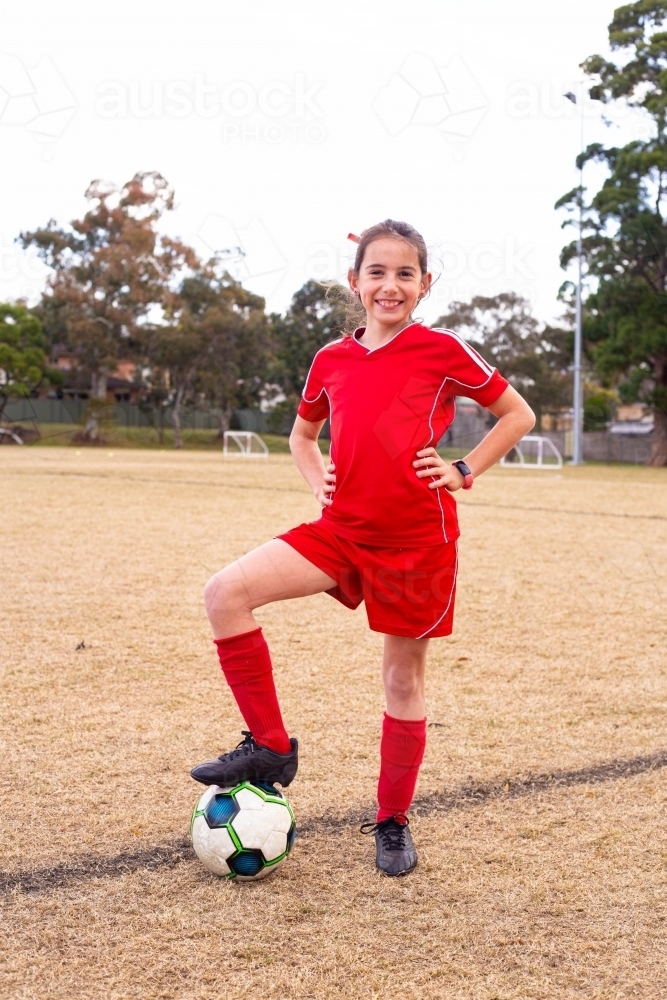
pixel 533 452
pixel 245 444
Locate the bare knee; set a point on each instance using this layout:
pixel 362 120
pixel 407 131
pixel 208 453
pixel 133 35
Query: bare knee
pixel 222 593
pixel 403 682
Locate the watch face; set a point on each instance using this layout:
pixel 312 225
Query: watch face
pixel 465 472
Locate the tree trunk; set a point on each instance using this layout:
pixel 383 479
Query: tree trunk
pixel 225 420
pixel 178 401
pixel 98 396
pixel 658 454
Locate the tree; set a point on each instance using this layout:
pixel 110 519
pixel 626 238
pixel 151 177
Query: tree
pixel 317 314
pixel 599 406
pixel 237 369
pixel 624 225
pixel 533 357
pixel 24 365
pixel 215 344
pixel 109 270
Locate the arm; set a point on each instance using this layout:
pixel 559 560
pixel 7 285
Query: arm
pixel 515 418
pixel 308 457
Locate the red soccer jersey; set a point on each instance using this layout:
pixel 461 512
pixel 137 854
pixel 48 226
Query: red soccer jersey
pixel 386 404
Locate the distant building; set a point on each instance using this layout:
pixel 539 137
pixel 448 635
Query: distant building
pixel 123 384
pixel 631 411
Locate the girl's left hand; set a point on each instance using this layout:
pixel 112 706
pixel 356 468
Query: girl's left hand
pixel 429 463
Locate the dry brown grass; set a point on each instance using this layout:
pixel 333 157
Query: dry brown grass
pixel 557 662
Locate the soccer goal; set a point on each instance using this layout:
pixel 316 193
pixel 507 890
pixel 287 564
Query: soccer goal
pixel 7 432
pixel 247 444
pixel 533 452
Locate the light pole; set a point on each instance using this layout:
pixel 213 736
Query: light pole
pixel 577 394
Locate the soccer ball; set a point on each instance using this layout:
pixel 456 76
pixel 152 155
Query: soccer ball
pixel 244 832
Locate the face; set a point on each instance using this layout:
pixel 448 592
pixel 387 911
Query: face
pixel 390 282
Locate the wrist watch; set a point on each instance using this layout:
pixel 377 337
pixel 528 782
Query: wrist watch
pixel 465 472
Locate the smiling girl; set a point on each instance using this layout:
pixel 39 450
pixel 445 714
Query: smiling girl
pixel 388 527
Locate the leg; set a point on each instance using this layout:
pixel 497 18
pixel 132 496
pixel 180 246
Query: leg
pixel 273 572
pixel 403 675
pixel 401 751
pixel 404 724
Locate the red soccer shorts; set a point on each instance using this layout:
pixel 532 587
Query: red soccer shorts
pixel 407 591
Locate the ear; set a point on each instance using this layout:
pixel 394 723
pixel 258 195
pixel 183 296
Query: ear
pixel 427 281
pixel 353 281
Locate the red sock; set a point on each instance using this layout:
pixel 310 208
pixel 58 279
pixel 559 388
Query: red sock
pixel 401 753
pixel 246 664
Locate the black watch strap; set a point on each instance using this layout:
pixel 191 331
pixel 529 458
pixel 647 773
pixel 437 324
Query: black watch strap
pixel 465 472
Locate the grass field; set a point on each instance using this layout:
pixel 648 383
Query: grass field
pixel 118 436
pixel 541 807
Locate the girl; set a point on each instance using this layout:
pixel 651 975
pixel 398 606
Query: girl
pixel 388 529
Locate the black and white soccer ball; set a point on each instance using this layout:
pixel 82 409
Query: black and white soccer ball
pixel 242 833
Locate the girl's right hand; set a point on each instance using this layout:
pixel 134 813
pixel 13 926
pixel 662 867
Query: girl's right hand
pixel 325 493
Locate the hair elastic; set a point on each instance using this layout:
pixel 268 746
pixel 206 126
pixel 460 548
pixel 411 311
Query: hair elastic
pixel 355 239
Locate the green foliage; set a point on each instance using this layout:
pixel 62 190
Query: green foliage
pixel 316 315
pixel 215 344
pixel 23 362
pixel 599 406
pixel 109 270
pixel 625 222
pixel 282 414
pixel 533 357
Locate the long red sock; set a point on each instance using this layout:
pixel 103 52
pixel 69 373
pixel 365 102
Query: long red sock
pixel 246 664
pixel 401 753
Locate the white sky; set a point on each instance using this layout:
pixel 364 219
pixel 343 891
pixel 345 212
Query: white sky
pixel 283 126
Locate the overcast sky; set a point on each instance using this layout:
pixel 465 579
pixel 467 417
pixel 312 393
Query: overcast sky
pixel 283 126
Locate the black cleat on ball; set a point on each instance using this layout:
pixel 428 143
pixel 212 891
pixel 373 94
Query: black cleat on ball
pixel 249 762
pixel 395 851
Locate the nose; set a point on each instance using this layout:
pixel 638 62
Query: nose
pixel 389 285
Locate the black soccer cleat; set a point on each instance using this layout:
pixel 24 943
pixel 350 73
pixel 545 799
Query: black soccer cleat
pixel 249 762
pixel 395 852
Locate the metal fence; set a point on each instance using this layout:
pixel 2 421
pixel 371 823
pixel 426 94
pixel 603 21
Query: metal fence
pixel 72 411
pixel 599 446
pixel 467 430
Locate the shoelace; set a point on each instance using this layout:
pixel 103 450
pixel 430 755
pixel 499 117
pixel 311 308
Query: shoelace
pixel 245 747
pixel 391 832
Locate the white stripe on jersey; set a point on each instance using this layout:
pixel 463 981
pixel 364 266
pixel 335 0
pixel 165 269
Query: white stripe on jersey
pixel 451 594
pixel 477 358
pixel 305 385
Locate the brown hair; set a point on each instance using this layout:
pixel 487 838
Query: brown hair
pixel 395 230
pixel 355 314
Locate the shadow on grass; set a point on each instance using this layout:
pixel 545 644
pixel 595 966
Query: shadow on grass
pixel 90 866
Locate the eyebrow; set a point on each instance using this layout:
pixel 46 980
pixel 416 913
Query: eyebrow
pixel 402 267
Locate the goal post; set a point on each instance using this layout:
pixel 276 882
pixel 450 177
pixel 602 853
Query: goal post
pixel 244 444
pixel 533 452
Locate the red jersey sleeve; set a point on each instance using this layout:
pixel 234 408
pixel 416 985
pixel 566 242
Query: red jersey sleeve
pixel 314 403
pixel 468 374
